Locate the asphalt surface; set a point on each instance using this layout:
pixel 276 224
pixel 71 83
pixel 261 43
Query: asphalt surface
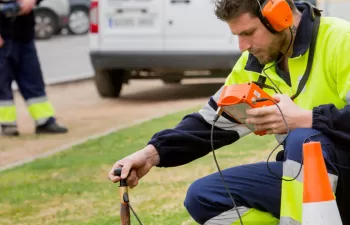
pixel 64 58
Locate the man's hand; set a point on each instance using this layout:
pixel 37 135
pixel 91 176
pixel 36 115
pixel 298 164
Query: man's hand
pixel 26 6
pixel 269 118
pixel 135 166
pixel 1 41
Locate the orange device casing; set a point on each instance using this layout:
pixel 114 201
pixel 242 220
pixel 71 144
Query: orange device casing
pixel 236 99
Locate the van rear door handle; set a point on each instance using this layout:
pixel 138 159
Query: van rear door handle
pixel 180 1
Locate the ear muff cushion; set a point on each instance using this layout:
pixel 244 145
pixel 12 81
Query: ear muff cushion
pixel 263 19
pixel 278 13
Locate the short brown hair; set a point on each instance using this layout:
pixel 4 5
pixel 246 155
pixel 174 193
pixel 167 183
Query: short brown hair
pixel 226 10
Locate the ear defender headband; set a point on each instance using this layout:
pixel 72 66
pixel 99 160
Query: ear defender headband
pixel 276 15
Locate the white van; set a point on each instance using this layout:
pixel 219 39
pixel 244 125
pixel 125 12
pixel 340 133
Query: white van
pixel 165 39
pixel 335 8
pixel 157 39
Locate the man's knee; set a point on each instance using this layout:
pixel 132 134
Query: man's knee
pixel 301 135
pixel 194 201
pixel 294 143
pixel 204 200
pixel 296 138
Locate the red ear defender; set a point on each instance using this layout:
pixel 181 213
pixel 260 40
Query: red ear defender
pixel 278 13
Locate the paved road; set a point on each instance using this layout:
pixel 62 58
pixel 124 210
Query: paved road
pixel 64 58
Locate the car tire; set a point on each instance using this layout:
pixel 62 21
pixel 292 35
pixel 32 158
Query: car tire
pixel 78 21
pixel 46 24
pixel 109 83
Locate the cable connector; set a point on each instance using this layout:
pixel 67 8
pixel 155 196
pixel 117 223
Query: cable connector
pixel 261 99
pixel 126 197
pixel 217 114
pixel 256 100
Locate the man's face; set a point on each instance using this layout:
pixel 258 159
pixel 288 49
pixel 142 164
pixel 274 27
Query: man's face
pixel 254 37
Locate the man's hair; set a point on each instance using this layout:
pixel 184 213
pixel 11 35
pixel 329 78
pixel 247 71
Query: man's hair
pixel 226 10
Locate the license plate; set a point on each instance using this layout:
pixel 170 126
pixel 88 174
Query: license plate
pixel 122 22
pixel 131 22
pixel 147 22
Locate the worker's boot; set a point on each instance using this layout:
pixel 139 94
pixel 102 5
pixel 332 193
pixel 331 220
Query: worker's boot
pixel 9 130
pixel 51 128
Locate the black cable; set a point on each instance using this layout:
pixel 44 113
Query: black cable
pixel 217 115
pixel 125 196
pixel 135 214
pixel 218 167
pixel 278 61
pixel 288 131
pixel 126 199
pixel 267 99
pixel 267 162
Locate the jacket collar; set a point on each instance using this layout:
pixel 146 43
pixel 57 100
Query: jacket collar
pixel 301 42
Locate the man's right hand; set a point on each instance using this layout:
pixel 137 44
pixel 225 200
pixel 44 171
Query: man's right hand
pixel 26 6
pixel 135 166
pixel 1 41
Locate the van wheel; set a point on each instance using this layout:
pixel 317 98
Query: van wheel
pixel 171 80
pixel 109 83
pixel 78 21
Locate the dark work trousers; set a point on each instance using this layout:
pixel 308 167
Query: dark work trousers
pixel 19 62
pixel 255 187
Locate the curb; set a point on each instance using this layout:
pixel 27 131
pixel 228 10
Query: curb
pixel 81 141
pixel 63 80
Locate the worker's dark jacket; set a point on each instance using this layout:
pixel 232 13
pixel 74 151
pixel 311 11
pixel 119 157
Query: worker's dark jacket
pixel 20 28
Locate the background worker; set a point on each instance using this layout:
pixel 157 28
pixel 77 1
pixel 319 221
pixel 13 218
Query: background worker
pixel 19 61
pixel 320 112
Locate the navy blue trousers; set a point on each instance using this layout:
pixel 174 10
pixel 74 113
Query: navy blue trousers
pixel 19 62
pixel 254 186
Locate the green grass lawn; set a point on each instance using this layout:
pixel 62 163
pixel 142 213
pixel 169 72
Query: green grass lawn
pixel 72 186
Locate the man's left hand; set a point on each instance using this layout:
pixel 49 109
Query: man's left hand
pixel 26 6
pixel 269 118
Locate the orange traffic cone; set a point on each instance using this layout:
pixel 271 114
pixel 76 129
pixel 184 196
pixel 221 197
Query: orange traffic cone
pixel 319 205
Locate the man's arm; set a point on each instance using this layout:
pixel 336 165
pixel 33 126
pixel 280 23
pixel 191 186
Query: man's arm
pixel 328 118
pixel 191 138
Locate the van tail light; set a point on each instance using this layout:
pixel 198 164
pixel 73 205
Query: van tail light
pixel 94 16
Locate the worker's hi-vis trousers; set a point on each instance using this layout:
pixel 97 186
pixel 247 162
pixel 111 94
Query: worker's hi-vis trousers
pixel 261 197
pixel 19 62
